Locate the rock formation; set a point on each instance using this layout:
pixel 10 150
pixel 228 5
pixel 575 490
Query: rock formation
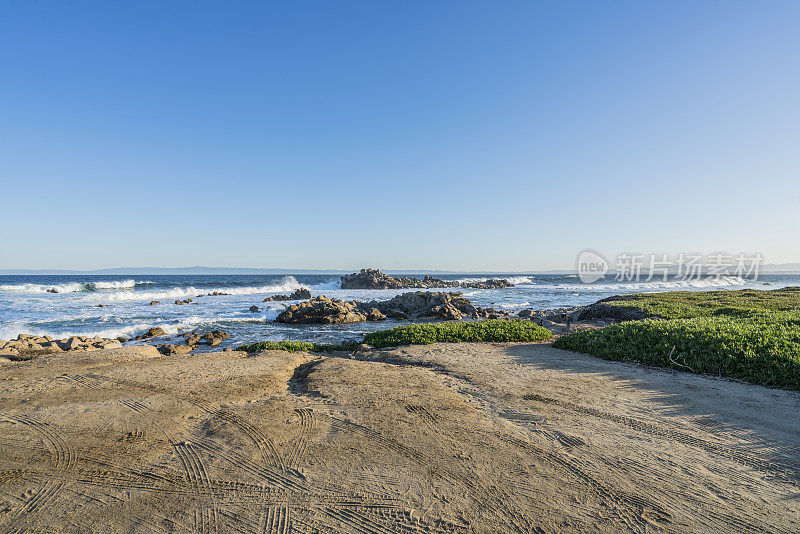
pixel 375 279
pixel 28 346
pixel 326 311
pixel 298 294
pixel 419 304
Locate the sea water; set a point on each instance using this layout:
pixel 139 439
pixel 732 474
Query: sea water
pixel 26 305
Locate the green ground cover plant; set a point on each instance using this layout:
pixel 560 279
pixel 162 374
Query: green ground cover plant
pixel 423 334
pixel 496 330
pixel 294 346
pixel 749 335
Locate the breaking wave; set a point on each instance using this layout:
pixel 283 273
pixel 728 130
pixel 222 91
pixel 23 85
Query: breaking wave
pixel 73 287
pixel 289 283
pixel 516 280
pixel 657 285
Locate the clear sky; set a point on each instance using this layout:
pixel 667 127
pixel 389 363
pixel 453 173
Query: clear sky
pixel 444 135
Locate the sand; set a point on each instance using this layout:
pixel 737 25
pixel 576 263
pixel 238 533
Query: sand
pixel 439 438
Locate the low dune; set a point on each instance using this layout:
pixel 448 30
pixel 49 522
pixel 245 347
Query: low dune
pixel 477 437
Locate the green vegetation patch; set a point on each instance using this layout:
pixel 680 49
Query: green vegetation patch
pixel 422 334
pixel 294 346
pixel 688 304
pixel 749 335
pixel 469 331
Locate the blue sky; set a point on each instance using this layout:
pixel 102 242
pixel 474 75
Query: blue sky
pixel 444 135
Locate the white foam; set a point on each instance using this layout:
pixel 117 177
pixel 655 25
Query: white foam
pixel 123 284
pixel 516 280
pixel 656 285
pixel 70 287
pixel 288 283
pixel 42 288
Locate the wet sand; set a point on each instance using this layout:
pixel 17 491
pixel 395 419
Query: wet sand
pixel 439 438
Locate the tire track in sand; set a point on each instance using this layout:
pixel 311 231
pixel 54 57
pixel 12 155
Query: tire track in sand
pixel 207 517
pixel 275 520
pixel 637 513
pixel 301 442
pixel 64 459
pixel 266 446
pixel 730 453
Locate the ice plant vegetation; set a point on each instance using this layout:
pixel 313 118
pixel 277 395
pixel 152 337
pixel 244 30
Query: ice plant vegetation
pixel 748 335
pixel 496 330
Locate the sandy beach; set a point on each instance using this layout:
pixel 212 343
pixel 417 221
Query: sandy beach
pixel 439 438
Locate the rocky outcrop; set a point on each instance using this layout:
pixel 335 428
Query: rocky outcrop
pixel 194 339
pixel 419 304
pixel 599 311
pixel 492 283
pixel 298 294
pixel 153 332
pixel 213 338
pixel 28 346
pixel 254 309
pixel 441 305
pixel 154 302
pixel 323 310
pixel 277 298
pixel 375 279
pixel 174 349
pixel 217 294
pixel 187 301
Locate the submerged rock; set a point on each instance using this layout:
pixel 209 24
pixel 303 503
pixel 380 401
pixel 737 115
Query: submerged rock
pixel 277 298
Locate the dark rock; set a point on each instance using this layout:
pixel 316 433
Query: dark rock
pixel 153 332
pixel 215 337
pixel 154 302
pixel 300 294
pixel 277 298
pixel 492 283
pixel 375 315
pixel 322 310
pixel 443 305
pixel 375 279
pixel 254 309
pixel 52 290
pixel 419 304
pixel 174 349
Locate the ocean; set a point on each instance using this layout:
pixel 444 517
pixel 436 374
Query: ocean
pixel 27 307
